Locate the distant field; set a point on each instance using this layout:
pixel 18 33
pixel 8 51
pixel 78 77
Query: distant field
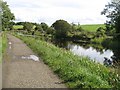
pixel 92 27
pixel 18 27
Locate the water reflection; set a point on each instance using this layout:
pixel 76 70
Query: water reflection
pixel 116 58
pixel 99 53
pixel 91 53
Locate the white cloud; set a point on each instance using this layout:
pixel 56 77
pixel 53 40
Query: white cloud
pixel 83 11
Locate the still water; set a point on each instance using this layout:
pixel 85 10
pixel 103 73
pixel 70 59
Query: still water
pixel 91 53
pixel 98 53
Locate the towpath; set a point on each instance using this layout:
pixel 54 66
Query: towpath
pixel 22 69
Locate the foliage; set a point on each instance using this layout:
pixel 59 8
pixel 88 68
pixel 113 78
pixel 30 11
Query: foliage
pixel 44 26
pixel 39 28
pixel 77 72
pixel 61 28
pixel 50 30
pixel 7 16
pixel 112 12
pixel 100 32
pixel 98 40
pixel 28 26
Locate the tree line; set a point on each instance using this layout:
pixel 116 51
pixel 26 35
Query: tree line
pixel 61 28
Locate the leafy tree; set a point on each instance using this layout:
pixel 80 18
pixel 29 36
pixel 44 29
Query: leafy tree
pixel 73 26
pixel 112 11
pixel 44 26
pixel 6 15
pixel 28 26
pixel 50 30
pixel 61 28
pixel 19 23
pixel 38 28
pixel 11 25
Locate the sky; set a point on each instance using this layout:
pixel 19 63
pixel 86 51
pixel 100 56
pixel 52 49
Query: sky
pixel 48 11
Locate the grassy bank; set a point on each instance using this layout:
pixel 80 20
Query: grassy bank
pixel 3 44
pixel 77 72
pixel 0 49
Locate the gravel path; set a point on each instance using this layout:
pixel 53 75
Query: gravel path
pixel 21 71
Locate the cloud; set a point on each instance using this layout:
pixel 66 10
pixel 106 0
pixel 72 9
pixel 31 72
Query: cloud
pixel 83 11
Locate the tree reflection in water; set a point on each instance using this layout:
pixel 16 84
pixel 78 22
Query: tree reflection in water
pixel 113 60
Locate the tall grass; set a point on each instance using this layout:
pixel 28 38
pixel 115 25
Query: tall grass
pixel 3 44
pixel 77 72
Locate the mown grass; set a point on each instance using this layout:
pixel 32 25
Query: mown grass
pixel 77 72
pixel 16 27
pixel 92 27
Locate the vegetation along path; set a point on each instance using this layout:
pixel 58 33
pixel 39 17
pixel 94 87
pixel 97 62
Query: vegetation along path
pixel 23 69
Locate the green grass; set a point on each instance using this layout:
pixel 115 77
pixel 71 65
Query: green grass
pixel 77 72
pixel 18 27
pixel 92 27
pixel 3 44
pixel 0 49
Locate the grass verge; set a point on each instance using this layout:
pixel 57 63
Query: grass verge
pixel 3 44
pixel 77 72
pixel 0 49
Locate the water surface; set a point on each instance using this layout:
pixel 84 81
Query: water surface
pixel 91 53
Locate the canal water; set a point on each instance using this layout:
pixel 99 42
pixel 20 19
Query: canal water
pixel 92 53
pixel 98 53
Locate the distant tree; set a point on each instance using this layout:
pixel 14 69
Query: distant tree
pixel 50 30
pixel 28 26
pixel 62 28
pixel 38 28
pixel 44 26
pixel 6 15
pixel 73 27
pixel 20 23
pixel 112 11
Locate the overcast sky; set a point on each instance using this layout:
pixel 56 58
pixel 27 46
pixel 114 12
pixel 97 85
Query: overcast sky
pixel 48 11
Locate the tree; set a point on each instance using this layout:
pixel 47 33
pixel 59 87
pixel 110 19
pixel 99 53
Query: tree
pixel 6 15
pixel 112 11
pixel 28 26
pixel 38 28
pixel 44 26
pixel 50 30
pixel 61 28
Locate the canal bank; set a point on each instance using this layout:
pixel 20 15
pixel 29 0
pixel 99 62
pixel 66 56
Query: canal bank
pixel 74 70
